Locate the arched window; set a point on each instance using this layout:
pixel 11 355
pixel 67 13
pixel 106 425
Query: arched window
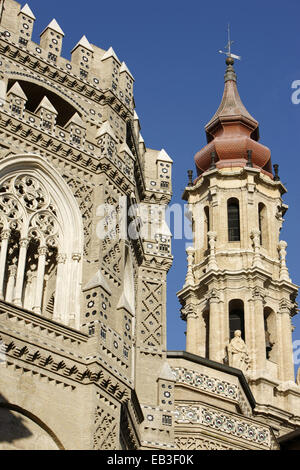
pixel 233 217
pixel 263 224
pixel 41 239
pixel 236 317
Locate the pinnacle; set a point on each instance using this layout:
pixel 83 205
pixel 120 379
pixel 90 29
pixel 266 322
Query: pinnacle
pixel 27 11
pixel 17 90
pixel 106 129
pixel 124 148
pixel 45 103
pixel 164 156
pixel 124 68
pixel 76 119
pixel 110 53
pixel 84 43
pixel 55 26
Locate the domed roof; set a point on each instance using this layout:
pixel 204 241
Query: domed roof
pixel 232 132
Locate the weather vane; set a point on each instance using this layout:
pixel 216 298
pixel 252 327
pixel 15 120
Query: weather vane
pixel 228 47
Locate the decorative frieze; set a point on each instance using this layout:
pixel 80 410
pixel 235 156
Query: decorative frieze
pixel 224 423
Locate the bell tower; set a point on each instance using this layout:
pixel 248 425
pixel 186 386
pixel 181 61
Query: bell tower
pixel 237 278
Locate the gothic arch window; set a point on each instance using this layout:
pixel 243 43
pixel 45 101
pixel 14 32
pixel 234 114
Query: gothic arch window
pixel 41 239
pixel 263 224
pixel 236 317
pixel 233 218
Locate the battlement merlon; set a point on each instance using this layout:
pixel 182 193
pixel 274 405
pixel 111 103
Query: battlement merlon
pixel 90 63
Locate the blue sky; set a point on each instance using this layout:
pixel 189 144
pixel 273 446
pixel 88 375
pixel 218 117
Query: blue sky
pixel 171 49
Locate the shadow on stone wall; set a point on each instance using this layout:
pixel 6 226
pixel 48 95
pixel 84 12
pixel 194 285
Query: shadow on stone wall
pixel 12 427
pixel 19 429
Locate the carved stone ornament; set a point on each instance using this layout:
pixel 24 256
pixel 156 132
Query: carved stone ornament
pixel 285 306
pixel 258 293
pixel 187 311
pixel 212 295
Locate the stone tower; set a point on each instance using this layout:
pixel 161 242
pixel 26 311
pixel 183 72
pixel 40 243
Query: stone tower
pixel 237 276
pixel 84 249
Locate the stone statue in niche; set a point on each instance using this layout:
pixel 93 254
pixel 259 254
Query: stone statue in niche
pixel 238 353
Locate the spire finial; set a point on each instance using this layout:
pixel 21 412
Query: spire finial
pixel 230 57
pixel 230 73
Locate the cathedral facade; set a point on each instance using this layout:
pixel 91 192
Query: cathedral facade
pixel 84 256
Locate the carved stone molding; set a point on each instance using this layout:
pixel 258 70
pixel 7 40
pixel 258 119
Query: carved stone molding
pixel 285 306
pixel 188 311
pixel 245 429
pixel 258 293
pixel 213 296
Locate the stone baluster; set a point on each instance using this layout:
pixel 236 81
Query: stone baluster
pixel 189 280
pixel 255 236
pixel 284 273
pixel 212 263
pixel 11 282
pixel 3 254
pixel 21 271
pixel 42 252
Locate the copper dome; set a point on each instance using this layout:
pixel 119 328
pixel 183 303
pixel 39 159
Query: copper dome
pixel 232 132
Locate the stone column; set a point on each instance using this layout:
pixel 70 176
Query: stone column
pixel 286 366
pixel 284 273
pixel 259 336
pixel 212 263
pixel 216 346
pixel 42 252
pixel 28 301
pixel 192 326
pixel 21 271
pixel 60 287
pixel 4 245
pixel 255 235
pixel 11 283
